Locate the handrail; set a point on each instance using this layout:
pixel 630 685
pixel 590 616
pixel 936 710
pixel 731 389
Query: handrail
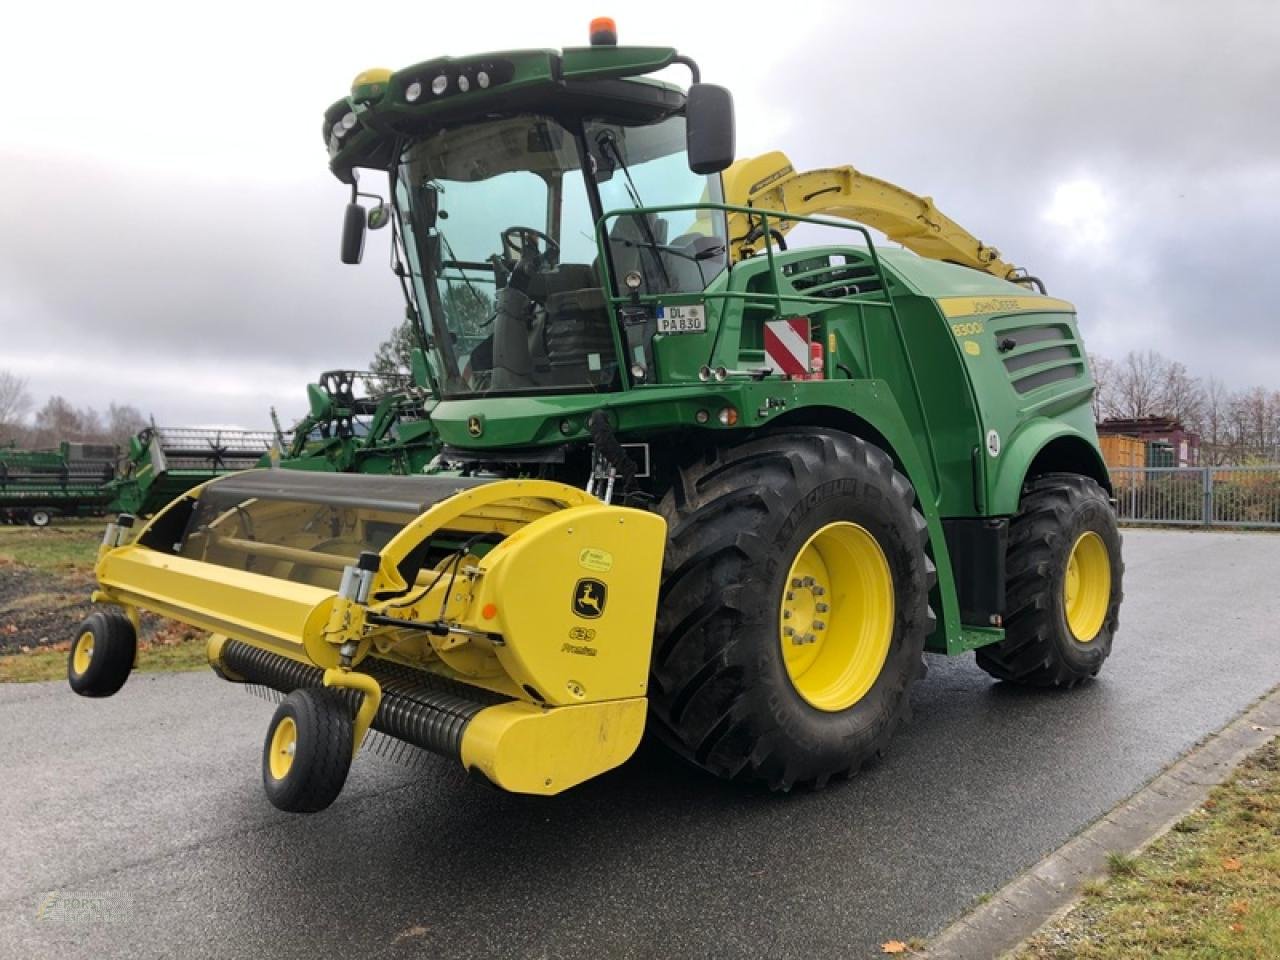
pixel 616 300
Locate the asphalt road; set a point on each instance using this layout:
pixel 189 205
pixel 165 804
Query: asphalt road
pixel 148 808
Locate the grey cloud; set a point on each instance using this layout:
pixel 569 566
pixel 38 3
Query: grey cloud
pixel 989 107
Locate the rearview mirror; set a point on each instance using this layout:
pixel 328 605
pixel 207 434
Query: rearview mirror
pixel 353 226
pixel 709 129
pixel 379 217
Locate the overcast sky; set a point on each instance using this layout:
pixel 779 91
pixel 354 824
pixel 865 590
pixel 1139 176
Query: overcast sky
pixel 169 228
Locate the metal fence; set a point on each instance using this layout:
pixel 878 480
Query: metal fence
pixel 1199 496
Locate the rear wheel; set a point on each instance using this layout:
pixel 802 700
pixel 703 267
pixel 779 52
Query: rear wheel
pixel 40 518
pixel 102 654
pixel 1064 585
pixel 307 752
pixel 794 608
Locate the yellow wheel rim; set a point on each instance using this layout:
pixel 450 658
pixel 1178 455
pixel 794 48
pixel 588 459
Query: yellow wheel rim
pixel 1086 588
pixel 284 744
pixel 82 653
pixel 835 620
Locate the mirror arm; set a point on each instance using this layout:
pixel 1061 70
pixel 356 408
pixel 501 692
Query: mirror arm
pixel 693 67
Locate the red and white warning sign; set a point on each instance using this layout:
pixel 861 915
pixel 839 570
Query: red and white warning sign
pixel 787 349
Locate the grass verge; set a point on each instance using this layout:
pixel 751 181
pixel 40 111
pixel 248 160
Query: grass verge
pixel 66 544
pixel 50 663
pixel 1209 889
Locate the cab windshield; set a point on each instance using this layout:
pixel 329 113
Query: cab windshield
pixel 498 219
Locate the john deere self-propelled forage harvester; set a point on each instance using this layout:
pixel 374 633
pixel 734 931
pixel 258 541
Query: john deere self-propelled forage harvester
pixel 694 478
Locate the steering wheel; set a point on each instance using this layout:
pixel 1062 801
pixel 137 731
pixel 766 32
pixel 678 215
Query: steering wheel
pixel 523 243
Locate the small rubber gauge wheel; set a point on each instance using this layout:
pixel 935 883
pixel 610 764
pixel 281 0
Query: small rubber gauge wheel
pixel 102 654
pixel 307 752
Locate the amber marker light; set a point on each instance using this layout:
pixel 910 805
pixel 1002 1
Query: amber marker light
pixel 604 32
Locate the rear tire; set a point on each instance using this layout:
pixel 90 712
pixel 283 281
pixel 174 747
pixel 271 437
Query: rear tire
pixel 40 518
pixel 725 691
pixel 102 654
pixel 1065 576
pixel 307 752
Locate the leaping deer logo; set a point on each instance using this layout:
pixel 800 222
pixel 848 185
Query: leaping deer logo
pixel 589 597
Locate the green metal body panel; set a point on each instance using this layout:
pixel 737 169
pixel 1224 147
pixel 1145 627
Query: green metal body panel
pixel 145 492
pixel 965 379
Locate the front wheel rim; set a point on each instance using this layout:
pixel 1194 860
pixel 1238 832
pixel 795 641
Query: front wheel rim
pixel 82 653
pixel 284 746
pixel 1086 588
pixel 835 618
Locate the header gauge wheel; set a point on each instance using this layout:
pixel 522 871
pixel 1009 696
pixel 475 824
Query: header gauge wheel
pixel 794 609
pixel 102 654
pixel 307 752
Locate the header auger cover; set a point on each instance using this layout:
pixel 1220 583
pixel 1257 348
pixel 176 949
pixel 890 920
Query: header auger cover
pixel 507 624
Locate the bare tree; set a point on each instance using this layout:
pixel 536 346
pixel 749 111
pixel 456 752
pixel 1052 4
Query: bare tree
pixel 1104 379
pixel 1215 446
pixel 1182 397
pixel 14 399
pixel 1140 384
pixel 1240 426
pixel 123 421
pixel 56 421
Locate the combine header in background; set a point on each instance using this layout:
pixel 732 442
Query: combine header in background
pixel 706 480
pixel 73 481
pixel 165 462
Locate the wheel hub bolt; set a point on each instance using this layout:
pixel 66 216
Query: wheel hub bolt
pixel 796 583
pixel 821 607
pixel 819 625
pixel 818 591
pixel 789 631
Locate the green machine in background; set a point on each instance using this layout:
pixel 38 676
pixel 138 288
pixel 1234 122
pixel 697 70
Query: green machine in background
pixel 165 462
pixel 858 455
pixel 73 481
pixel 92 479
pixel 361 422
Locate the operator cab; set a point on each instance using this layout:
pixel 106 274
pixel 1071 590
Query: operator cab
pixel 501 168
pixel 503 217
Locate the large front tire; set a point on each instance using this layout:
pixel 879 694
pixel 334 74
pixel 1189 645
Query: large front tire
pixel 794 608
pixel 1064 588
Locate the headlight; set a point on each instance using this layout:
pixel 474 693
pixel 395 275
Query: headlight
pixel 632 280
pixel 413 91
pixel 440 84
pixel 463 84
pixel 482 78
pixel 348 121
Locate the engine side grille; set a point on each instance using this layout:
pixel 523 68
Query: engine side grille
pixel 1040 355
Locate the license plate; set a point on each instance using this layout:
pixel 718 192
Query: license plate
pixel 691 319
